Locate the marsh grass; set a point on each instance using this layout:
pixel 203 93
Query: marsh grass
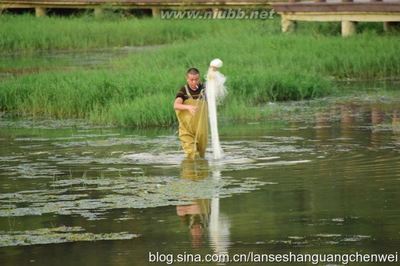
pixel 261 64
pixel 27 33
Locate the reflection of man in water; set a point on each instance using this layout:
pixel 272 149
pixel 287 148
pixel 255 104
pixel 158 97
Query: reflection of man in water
pixel 396 121
pixel 191 110
pixel 195 215
pixel 396 126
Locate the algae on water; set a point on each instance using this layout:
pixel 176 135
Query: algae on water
pixel 56 235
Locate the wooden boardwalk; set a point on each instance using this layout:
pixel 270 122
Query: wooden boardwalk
pixel 348 12
pixel 155 5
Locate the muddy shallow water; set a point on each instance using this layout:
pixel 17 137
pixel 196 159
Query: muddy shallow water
pixel 326 183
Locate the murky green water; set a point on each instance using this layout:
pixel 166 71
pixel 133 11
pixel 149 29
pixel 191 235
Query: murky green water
pixel 326 183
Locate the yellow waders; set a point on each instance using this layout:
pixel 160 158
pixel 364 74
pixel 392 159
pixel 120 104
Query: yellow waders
pixel 193 129
pixel 195 170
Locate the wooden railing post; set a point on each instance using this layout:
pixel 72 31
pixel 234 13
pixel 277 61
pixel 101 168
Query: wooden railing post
pixel 215 11
pixel 348 28
pixel 40 11
pixel 98 12
pixel 155 12
pixel 287 24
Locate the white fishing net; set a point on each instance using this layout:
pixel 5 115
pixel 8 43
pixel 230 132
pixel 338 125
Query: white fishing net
pixel 215 92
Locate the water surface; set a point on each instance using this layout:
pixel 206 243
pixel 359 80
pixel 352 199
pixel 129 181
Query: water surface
pixel 325 183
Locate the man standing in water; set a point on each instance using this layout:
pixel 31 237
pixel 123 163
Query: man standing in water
pixel 191 110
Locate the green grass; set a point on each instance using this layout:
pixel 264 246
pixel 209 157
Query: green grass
pixel 261 64
pixel 27 33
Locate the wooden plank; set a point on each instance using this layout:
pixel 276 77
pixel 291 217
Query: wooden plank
pixel 127 2
pixel 342 16
pixel 131 3
pixel 337 7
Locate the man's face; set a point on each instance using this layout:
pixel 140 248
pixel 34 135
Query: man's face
pixel 193 80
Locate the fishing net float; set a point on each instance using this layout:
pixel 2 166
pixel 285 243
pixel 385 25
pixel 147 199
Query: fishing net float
pixel 215 91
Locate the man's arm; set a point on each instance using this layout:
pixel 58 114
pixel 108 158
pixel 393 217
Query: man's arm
pixel 178 105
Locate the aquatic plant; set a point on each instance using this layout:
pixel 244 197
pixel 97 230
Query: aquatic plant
pixel 56 235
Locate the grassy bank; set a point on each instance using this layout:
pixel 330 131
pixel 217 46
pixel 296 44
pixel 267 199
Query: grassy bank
pixel 27 33
pixel 261 64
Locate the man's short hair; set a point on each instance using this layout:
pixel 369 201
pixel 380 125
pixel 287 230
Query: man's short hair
pixel 193 71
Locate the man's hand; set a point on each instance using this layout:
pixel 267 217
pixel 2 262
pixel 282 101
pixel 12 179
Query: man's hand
pixel 192 109
pixel 178 105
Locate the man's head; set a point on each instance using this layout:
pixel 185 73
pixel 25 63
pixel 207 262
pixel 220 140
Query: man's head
pixel 193 77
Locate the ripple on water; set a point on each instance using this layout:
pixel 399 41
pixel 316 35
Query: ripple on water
pixel 31 170
pixel 150 158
